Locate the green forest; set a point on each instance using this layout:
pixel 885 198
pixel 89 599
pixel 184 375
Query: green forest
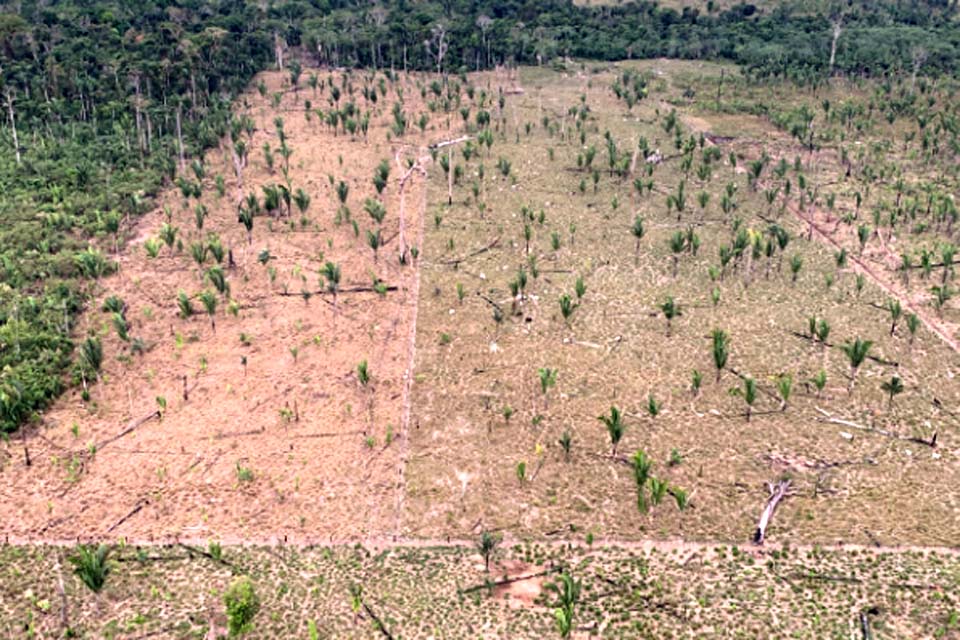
pixel 105 103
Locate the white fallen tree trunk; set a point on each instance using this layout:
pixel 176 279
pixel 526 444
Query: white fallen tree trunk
pixel 777 493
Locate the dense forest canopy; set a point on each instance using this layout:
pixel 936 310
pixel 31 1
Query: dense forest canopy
pixel 103 100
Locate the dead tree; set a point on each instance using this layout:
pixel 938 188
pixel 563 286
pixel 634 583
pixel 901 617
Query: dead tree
pixel 837 30
pixel 777 493
pixel 13 124
pixel 437 46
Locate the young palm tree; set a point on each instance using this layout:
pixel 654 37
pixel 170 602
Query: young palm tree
pixel 863 235
pixel 375 210
pixel 271 198
pixel 748 393
pixel 677 245
pixel 642 465
pixel 245 217
pixel 218 279
pixel 580 287
pixel 168 234
pixel 209 301
pixel 671 310
pixel 548 378
pixel 567 307
pixel 91 354
pixel 331 274
pixel 374 241
pixel 92 566
pixel 363 373
pixel 184 304
pixel 302 199
pixel 566 591
pixel 822 331
pixel 796 263
pixel 856 353
pixel 892 388
pixel 784 388
pixel 638 232
pixel 721 350
pixel 819 380
pixel 615 427
pixel 343 190
pixel 895 312
pixel 487 544
pixel 913 323
pixel 653 406
pixel 947 254
pixel 940 297
pixel 696 381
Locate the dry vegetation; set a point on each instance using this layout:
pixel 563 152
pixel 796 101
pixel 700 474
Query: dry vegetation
pixel 479 409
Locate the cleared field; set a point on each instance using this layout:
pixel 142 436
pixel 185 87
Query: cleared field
pixel 554 318
pixel 240 424
pixel 479 408
pixel 429 591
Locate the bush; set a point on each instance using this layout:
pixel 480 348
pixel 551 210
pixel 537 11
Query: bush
pixel 242 605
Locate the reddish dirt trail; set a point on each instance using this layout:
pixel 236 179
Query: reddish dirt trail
pixel 889 286
pixel 882 280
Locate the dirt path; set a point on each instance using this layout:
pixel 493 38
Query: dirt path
pixel 412 344
pixel 933 324
pixel 683 547
pixel 815 220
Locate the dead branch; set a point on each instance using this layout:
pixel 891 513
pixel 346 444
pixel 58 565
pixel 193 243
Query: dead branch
pixel 777 493
pixel 329 434
pixel 64 619
pixel 382 627
pixel 323 292
pixel 506 581
pixel 238 434
pixel 130 428
pixel 447 143
pixel 877 359
pixel 140 505
pixel 456 261
pixel 201 552
pixel 932 442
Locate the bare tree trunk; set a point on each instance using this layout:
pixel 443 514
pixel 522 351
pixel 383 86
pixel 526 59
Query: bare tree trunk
pixel 138 117
pixel 450 178
pixel 837 30
pixel 13 125
pixel 180 142
pixel 278 50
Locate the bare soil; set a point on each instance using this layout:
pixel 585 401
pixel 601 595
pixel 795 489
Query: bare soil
pixel 272 390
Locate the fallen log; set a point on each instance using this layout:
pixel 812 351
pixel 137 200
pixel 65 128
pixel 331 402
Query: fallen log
pixel 140 505
pixel 64 612
pixel 322 292
pixel 932 442
pixel 201 552
pixel 777 493
pixel 877 359
pixel 333 434
pixel 447 143
pixel 506 581
pixel 130 428
pixel 456 261
pixel 379 623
